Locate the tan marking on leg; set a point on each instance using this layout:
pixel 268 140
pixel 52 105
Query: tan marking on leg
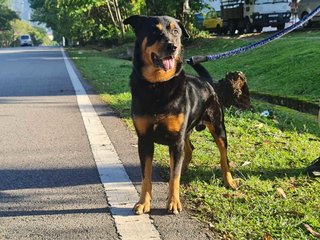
pixel 174 205
pixel 227 177
pixel 144 204
pixel 173 122
pixel 142 124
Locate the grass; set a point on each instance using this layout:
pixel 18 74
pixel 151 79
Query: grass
pixel 268 155
pixel 285 67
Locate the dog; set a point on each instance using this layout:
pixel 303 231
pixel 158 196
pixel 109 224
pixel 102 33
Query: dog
pixel 167 105
pixel 233 90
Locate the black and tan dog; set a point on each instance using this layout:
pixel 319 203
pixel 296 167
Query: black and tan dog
pixel 167 104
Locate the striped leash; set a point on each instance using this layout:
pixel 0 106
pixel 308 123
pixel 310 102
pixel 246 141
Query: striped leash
pixel 204 58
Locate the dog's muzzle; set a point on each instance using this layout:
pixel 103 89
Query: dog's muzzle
pixel 167 63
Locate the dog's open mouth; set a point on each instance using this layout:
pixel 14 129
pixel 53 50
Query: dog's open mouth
pixel 167 63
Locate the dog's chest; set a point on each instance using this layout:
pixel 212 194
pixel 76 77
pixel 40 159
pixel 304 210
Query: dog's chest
pixel 161 127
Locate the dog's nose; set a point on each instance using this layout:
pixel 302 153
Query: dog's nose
pixel 171 47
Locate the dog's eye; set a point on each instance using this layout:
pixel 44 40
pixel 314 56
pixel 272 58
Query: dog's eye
pixel 175 31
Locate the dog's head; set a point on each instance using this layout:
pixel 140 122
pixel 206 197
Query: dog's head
pixel 158 50
pixel 234 90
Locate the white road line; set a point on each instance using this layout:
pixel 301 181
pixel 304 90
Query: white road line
pixel 121 194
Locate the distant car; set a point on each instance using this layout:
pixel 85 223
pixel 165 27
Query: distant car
pixel 25 40
pixel 212 22
pixel 199 19
pixel 307 6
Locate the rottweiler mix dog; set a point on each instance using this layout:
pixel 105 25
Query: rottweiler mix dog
pixel 167 104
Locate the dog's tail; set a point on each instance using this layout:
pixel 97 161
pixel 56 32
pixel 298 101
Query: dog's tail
pixel 205 76
pixel 203 73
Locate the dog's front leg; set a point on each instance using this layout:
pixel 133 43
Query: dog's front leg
pixel 176 159
pixel 146 148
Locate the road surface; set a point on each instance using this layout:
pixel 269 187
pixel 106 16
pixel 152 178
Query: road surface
pixel 65 156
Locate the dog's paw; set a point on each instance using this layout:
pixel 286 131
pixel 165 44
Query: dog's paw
pixel 230 183
pixel 141 208
pixel 174 206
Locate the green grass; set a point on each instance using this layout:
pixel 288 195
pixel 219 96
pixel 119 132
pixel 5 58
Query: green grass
pixel 286 67
pixel 266 153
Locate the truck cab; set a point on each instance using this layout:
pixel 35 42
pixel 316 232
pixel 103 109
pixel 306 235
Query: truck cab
pixel 247 15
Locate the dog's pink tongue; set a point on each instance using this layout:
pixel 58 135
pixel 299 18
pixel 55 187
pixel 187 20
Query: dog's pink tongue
pixel 168 63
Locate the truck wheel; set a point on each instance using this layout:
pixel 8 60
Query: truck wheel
pixel 224 30
pixel 281 26
pixel 218 30
pixel 259 29
pixel 248 27
pixel 231 28
pixel 307 24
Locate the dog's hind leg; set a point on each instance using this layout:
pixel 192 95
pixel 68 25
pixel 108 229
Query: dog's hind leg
pixel 219 135
pixel 188 149
pixel 214 120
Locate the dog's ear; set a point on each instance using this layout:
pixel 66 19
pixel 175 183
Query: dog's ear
pixel 136 22
pixel 184 31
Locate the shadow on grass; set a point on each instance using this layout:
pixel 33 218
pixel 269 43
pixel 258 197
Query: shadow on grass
pixel 263 174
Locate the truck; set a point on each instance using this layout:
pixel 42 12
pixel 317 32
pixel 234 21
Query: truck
pixel 247 15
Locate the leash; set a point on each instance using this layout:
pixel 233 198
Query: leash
pixel 204 58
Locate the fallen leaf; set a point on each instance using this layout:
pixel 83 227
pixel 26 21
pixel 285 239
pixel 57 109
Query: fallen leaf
pixel 245 163
pixel 266 237
pixel 233 195
pixel 311 231
pixel 232 164
pixel 281 193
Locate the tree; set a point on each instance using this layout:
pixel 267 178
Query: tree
pixel 6 16
pixel 99 20
pixel 79 20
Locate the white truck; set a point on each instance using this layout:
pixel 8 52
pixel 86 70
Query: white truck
pixel 247 15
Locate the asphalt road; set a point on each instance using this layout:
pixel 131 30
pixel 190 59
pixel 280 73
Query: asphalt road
pixel 49 184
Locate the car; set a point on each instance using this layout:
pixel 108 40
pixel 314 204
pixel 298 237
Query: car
pixel 305 7
pixel 212 22
pixel 25 40
pixel 199 19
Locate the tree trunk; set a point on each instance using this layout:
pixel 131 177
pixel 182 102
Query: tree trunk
pixel 120 20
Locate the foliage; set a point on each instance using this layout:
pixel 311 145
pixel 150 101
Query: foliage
pixel 268 155
pixel 6 16
pixel 84 21
pixel 98 21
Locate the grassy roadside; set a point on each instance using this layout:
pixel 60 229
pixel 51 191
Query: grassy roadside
pixel 268 155
pixel 286 67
